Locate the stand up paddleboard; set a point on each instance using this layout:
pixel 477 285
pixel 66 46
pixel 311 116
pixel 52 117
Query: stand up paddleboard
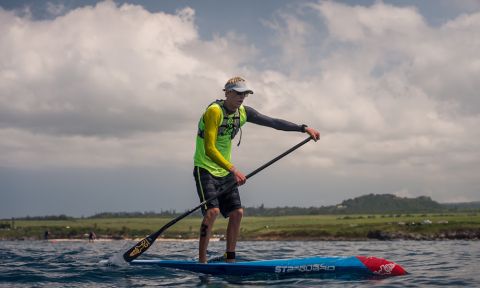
pixel 357 265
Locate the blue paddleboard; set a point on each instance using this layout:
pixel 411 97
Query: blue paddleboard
pixel 358 265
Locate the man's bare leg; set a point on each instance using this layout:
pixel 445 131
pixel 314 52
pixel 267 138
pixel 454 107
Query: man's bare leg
pixel 205 232
pixel 233 230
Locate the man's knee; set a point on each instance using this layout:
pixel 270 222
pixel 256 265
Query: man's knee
pixel 236 214
pixel 213 212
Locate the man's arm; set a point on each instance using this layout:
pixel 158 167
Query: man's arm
pixel 212 118
pixel 256 117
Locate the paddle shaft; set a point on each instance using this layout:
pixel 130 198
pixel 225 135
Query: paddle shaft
pixel 145 243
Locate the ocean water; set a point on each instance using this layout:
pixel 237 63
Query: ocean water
pixel 76 263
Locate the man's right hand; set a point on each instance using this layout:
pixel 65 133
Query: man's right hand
pixel 313 133
pixel 239 176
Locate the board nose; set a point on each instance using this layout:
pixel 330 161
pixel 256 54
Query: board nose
pixel 380 266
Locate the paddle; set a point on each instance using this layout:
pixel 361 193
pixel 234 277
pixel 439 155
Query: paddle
pixel 145 243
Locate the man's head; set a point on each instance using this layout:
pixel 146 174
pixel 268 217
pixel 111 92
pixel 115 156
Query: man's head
pixel 235 91
pixel 237 84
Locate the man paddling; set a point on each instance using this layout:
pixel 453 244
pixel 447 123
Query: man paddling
pixel 213 170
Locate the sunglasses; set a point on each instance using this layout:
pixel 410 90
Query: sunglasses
pixel 241 94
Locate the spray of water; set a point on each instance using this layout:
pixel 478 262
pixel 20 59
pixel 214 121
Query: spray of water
pixel 117 260
pixel 114 260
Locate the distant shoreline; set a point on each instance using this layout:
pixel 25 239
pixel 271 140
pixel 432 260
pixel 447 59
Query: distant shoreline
pixel 453 226
pixel 53 240
pixel 381 236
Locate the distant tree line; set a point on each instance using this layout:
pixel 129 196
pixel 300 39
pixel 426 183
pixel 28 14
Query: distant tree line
pixel 148 214
pixel 48 217
pixel 366 204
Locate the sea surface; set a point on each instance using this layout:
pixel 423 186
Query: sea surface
pixel 76 263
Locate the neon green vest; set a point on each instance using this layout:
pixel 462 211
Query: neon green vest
pixel 229 127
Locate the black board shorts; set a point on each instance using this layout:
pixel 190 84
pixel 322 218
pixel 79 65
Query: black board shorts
pixel 209 186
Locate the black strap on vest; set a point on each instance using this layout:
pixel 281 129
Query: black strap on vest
pixel 225 126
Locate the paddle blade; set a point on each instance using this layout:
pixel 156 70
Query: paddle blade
pixel 138 249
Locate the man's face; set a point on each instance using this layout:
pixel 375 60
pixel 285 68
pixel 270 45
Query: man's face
pixel 234 99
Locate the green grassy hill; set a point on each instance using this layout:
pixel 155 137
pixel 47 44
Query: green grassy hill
pixel 369 204
pixel 387 203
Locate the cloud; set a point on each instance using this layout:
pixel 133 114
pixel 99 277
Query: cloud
pixel 440 62
pixel 116 86
pixel 392 95
pixel 104 77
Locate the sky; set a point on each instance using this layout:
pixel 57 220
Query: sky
pixel 100 100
